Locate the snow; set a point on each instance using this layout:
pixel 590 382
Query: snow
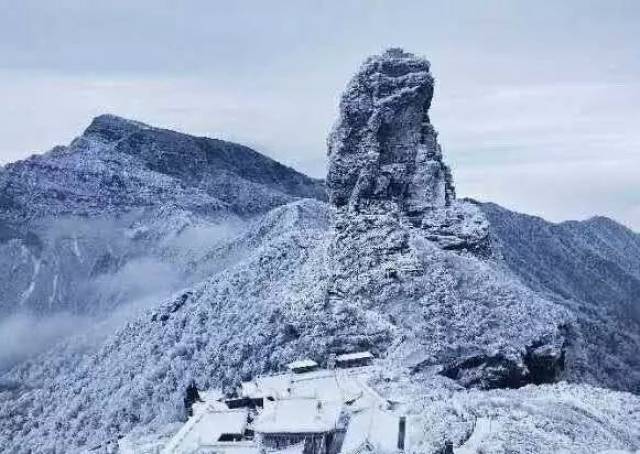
pixel 205 429
pixel 297 415
pixel 373 427
pixel 302 364
pixel 54 290
pixel 264 386
pixel 482 429
pixel 567 418
pixel 458 305
pixel 268 309
pixel 293 449
pixel 32 284
pixel 76 249
pixel 131 177
pixel 341 385
pixel 353 356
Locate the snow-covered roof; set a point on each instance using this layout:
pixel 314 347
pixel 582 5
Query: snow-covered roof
pixel 208 405
pixel 372 427
pixel 302 364
pixel 267 385
pixel 298 416
pixel 354 356
pixel 205 428
pixel 325 385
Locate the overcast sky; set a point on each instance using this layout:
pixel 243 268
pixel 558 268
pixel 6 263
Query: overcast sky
pixel 537 103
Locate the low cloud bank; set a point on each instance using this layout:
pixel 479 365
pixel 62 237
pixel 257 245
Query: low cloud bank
pixel 127 287
pixel 24 335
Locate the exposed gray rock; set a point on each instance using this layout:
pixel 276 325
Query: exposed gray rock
pixel 384 153
pixel 383 147
pixel 403 245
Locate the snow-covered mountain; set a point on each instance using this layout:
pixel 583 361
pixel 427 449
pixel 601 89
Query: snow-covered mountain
pixel 473 311
pixel 591 268
pixel 80 223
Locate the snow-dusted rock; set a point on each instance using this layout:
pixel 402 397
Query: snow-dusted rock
pixel 592 268
pixel 553 418
pixel 403 244
pixel 383 147
pixel 384 155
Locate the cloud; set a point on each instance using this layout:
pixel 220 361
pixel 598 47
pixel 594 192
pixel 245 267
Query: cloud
pixel 565 190
pixel 22 335
pixel 139 277
pixel 561 151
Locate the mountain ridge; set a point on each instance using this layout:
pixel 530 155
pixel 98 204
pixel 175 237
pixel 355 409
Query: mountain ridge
pixel 121 196
pixel 450 295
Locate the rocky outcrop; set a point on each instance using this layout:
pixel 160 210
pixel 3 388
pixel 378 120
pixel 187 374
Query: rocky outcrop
pixel 403 245
pixel 384 154
pixel 383 147
pixel 543 362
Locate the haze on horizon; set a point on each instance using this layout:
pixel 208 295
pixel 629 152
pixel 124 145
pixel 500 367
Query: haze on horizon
pixel 536 105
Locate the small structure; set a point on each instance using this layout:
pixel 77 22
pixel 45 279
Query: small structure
pixel 308 410
pixel 327 385
pixel 373 430
pixel 210 427
pixel 302 366
pixel 357 359
pixel 267 387
pixel 288 422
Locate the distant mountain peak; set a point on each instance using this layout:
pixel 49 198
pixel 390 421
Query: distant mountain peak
pixel 118 164
pixel 109 127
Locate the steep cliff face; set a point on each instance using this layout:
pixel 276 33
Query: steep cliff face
pixel 384 155
pixel 383 148
pixel 404 245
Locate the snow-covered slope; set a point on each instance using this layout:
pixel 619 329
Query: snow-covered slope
pixel 394 264
pixel 81 223
pixel 118 164
pixel 592 268
pixel 559 418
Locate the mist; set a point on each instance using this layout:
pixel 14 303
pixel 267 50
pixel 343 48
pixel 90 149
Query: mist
pixel 24 335
pixel 110 271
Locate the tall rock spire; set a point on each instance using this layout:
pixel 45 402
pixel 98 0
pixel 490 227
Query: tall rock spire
pixel 383 150
pixel 384 156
